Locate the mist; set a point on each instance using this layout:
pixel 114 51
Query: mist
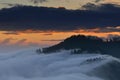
pixel 29 65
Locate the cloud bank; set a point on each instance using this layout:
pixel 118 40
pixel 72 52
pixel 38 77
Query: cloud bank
pixel 27 65
pixel 60 19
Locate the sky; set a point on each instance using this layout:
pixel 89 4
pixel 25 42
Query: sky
pixel 47 22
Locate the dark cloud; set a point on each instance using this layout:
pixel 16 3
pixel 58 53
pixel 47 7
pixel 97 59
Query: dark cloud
pixel 96 1
pixel 111 36
pixel 11 33
pixel 11 4
pixel 48 34
pixel 59 19
pixel 103 8
pixel 38 1
pixel 110 29
pixel 105 29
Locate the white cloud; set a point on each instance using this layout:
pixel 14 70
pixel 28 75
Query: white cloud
pixel 27 65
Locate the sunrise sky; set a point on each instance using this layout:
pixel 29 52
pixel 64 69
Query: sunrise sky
pixel 47 22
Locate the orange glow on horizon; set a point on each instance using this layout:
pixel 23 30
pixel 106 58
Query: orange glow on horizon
pixel 45 38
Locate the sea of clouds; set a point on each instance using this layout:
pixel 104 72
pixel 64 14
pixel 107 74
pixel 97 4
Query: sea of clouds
pixel 29 65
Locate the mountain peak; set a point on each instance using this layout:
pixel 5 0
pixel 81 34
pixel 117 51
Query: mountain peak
pixel 92 44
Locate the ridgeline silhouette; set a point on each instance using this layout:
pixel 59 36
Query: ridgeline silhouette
pixel 80 43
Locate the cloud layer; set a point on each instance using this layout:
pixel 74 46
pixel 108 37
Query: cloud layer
pixel 27 65
pixel 60 19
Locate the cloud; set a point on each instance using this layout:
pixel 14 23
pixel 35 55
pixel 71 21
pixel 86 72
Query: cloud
pixel 11 32
pixel 38 1
pixel 54 40
pixel 108 8
pixel 96 1
pixel 48 34
pixel 106 30
pixel 11 4
pixel 111 36
pixel 110 29
pixel 21 41
pixel 33 44
pixel 22 18
pixel 6 41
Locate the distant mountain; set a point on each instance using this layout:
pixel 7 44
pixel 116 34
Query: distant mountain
pixel 80 43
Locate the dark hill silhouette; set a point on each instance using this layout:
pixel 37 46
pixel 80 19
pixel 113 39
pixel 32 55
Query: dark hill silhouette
pixel 91 44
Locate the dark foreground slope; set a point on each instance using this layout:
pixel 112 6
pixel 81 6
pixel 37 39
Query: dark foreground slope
pixel 109 71
pixel 91 44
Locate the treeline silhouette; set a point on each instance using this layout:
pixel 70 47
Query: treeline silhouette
pixel 91 44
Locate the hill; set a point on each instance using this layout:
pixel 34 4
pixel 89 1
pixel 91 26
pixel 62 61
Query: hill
pixel 92 44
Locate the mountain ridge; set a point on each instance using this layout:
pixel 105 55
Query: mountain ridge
pixel 92 44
